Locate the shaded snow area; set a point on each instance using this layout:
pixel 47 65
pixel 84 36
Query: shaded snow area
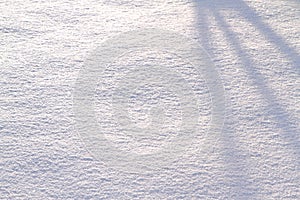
pixel 161 99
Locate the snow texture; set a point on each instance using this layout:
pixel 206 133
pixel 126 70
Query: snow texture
pixel 140 99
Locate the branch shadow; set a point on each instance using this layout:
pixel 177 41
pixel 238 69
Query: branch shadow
pixel 250 15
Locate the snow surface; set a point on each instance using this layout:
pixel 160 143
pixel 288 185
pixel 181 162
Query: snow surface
pixel 254 46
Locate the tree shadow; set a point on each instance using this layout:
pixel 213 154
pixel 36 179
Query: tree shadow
pixel 274 109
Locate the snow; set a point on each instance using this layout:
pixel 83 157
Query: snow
pixel 168 129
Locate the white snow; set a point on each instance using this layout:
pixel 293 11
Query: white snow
pixel 255 48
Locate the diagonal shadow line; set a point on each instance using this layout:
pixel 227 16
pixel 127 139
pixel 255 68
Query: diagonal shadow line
pixel 268 32
pixel 234 158
pixel 274 108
